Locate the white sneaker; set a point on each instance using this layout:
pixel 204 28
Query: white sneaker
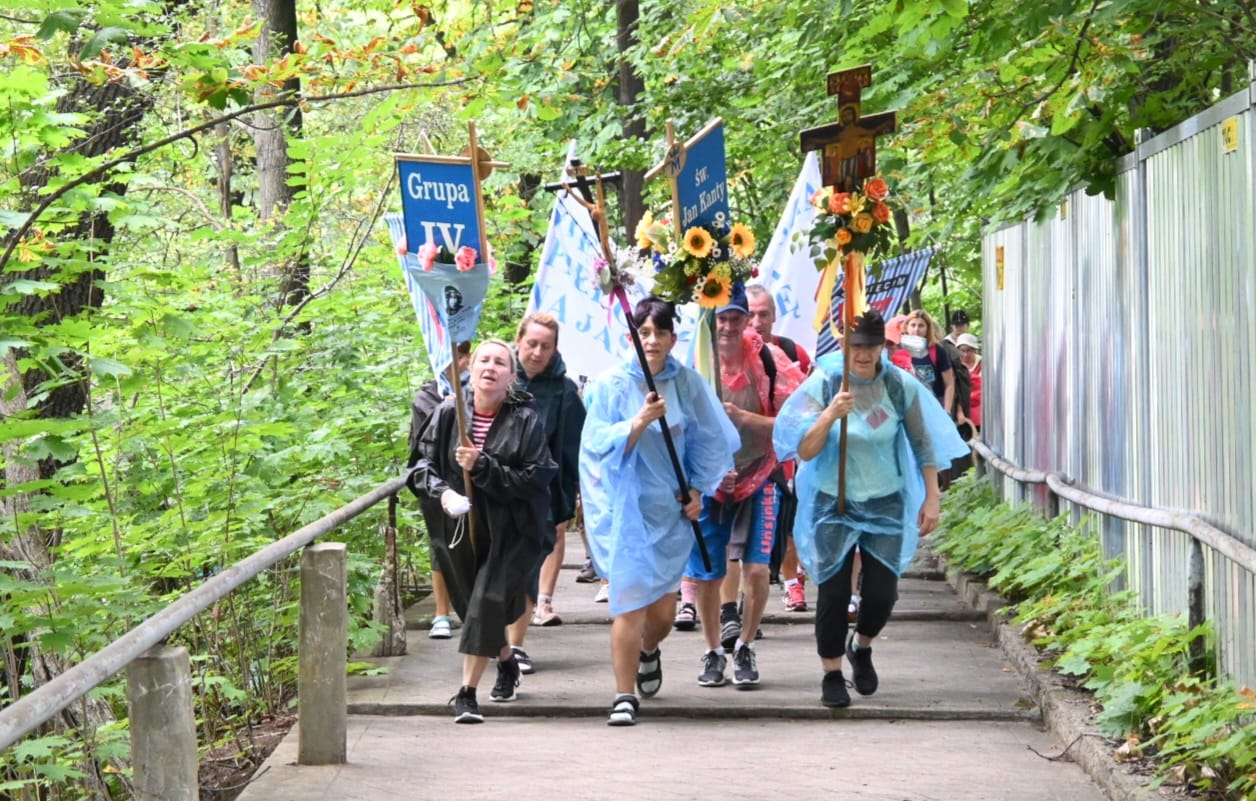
pixel 603 594
pixel 442 628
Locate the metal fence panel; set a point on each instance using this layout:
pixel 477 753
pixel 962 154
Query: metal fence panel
pixel 1120 352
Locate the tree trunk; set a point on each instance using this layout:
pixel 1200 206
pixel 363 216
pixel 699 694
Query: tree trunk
pixel 519 266
pixel 115 111
pixel 270 135
pixel 631 85
pixel 224 160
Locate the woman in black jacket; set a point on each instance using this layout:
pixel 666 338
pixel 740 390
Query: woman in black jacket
pixel 542 374
pixel 487 565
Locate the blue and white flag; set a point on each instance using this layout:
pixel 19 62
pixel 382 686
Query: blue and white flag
pixel 787 269
pixel 593 332
pixel 447 301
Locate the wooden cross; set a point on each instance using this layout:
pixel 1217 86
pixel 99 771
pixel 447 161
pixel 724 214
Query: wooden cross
pixel 581 172
pixel 596 208
pixel 848 148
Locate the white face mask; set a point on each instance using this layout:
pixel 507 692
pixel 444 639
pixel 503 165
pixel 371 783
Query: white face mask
pixel 913 344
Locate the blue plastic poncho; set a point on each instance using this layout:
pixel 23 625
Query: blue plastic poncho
pixel 637 535
pixel 895 428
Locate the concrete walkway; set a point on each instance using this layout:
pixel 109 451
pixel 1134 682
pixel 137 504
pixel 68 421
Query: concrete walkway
pixel 951 720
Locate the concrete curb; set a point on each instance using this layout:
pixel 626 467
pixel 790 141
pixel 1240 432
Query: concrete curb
pixel 1066 711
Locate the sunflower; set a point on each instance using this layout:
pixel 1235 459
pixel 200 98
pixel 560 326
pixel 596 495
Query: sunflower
pixel 741 241
pixel 698 242
pixel 643 231
pixel 714 291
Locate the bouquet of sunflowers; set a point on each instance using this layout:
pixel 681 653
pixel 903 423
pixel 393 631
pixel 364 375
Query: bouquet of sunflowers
pixel 705 265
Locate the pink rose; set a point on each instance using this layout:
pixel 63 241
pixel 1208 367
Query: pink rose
pixel 427 256
pixel 465 258
pixel 401 248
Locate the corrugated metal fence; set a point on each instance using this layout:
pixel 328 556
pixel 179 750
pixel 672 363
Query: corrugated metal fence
pixel 1120 349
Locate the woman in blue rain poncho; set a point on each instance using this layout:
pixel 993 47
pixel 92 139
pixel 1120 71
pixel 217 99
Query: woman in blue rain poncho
pixel 639 534
pixel 897 437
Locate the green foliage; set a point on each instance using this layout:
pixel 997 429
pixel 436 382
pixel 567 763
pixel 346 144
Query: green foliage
pixel 1197 729
pixel 217 419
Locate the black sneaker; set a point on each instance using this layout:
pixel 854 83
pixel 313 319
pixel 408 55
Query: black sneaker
pixel 712 670
pixel 466 708
pixel 650 674
pixel 745 668
pixel 833 690
pixel 862 673
pixel 507 680
pixel 526 667
pixel 624 710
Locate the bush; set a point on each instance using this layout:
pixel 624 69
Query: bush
pixel 1197 729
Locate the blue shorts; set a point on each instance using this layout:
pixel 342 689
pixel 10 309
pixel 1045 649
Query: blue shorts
pixel 742 532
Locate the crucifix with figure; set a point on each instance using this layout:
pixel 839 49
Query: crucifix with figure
pixel 848 148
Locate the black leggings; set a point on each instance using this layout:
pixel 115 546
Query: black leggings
pixel 878 593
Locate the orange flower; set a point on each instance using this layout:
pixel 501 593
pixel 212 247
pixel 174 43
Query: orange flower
pixel 880 212
pixel 698 242
pixel 876 188
pixel 862 223
pixel 843 237
pixel 839 203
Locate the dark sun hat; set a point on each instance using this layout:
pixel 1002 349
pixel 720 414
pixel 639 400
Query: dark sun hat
pixel 869 329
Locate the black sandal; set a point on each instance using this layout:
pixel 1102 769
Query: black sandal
pixel 650 682
pixel 624 711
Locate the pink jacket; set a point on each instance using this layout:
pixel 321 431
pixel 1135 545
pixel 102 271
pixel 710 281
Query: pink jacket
pixel 788 378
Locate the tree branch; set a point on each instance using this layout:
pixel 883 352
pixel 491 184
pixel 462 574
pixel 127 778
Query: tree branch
pixel 350 259
pixel 95 174
pixel 1069 70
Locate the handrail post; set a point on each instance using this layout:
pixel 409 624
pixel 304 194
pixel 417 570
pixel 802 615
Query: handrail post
pixel 1195 614
pixel 163 725
pixel 324 642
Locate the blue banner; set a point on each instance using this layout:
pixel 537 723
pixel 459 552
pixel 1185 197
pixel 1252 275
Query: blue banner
pixel 702 182
pixel 438 203
pixel 888 285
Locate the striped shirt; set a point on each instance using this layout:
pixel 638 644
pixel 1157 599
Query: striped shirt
pixel 480 424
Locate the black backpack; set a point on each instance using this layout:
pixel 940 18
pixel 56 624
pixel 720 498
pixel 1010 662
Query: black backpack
pixel 963 381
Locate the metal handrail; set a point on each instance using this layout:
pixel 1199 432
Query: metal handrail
pixel 30 711
pixel 1198 528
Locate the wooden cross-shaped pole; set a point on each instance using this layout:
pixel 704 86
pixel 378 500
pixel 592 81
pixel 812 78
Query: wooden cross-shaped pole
pixel 848 148
pixel 848 157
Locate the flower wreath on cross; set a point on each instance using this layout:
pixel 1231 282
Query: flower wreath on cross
pixel 849 229
pixel 851 221
pixel 707 264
